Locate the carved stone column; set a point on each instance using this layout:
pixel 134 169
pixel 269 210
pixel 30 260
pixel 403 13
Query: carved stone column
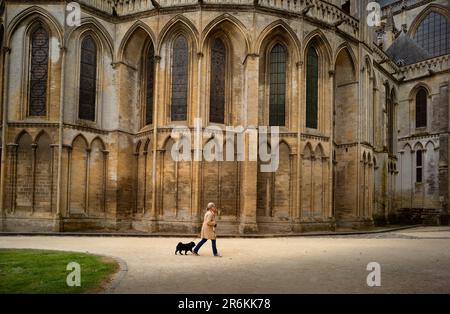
pixel 105 179
pixel 144 204
pixel 249 169
pixel 69 168
pixel 86 190
pixel 12 174
pixel 33 176
pixel 136 183
pixel 4 151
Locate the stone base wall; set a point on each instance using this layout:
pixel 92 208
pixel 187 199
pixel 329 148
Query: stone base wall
pixel 350 162
pixel 27 224
pixel 426 216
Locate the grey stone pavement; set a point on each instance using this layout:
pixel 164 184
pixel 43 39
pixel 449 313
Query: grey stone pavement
pixel 412 261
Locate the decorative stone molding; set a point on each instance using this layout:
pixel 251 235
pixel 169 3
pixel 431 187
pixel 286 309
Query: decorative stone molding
pixel 314 137
pixel 420 137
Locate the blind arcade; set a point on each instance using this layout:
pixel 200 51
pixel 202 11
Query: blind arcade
pixel 241 144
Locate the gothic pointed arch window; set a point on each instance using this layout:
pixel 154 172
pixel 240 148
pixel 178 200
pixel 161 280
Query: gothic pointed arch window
pixel 149 83
pixel 180 72
pixel 390 106
pixel 421 108
pixel 277 85
pixel 312 88
pixel 433 34
pixel 419 166
pixel 218 81
pixel 88 79
pixel 38 71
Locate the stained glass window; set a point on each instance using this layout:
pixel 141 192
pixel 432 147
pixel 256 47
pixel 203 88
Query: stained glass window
pixel 433 34
pixel 218 74
pixel 312 86
pixel 421 108
pixel 88 79
pixel 277 76
pixel 150 71
pixel 180 65
pixel 39 71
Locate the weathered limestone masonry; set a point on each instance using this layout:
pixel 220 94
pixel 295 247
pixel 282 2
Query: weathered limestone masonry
pixel 87 113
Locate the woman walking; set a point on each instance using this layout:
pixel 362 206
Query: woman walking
pixel 209 229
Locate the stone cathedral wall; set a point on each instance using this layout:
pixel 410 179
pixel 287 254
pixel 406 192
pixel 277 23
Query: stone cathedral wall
pixel 116 172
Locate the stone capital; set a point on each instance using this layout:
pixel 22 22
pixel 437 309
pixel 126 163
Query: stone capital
pixel 12 147
pixel 252 56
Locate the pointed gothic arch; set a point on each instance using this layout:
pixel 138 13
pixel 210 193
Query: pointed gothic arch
pixel 29 16
pixel 176 24
pixel 131 33
pixel 229 23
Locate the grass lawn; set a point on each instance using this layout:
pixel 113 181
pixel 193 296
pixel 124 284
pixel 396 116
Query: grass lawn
pixel 38 271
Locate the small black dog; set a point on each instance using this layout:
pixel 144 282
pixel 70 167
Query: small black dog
pixel 184 247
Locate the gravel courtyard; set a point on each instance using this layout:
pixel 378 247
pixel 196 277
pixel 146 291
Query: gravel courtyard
pixel 412 261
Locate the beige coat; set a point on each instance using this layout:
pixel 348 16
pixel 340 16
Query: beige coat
pixel 208 229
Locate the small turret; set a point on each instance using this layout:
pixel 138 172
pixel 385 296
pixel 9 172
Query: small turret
pixel 391 32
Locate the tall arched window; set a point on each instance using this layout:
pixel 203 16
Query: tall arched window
pixel 180 65
pixel 218 76
pixel 421 108
pixel 38 71
pixel 419 166
pixel 312 86
pixel 390 125
pixel 433 34
pixel 277 83
pixel 150 73
pixel 88 79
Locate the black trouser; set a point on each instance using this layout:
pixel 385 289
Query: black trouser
pixel 203 241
